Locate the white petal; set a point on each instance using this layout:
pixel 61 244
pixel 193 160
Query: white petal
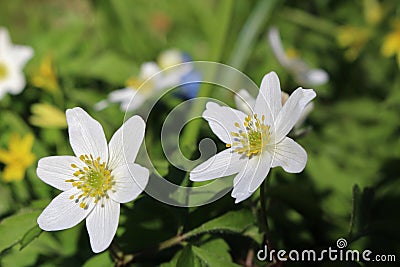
pixel 102 104
pixel 240 189
pixel 55 170
pixel 290 156
pixel 16 83
pixel 269 99
pixel 120 95
pixel 133 103
pixel 251 177
pixel 3 90
pixel 21 55
pixel 291 112
pixel 130 181
pixel 130 98
pixel 102 224
pixel 5 42
pixel 126 141
pixel 261 171
pixel 172 76
pixel 244 101
pixel 148 69
pixel 63 212
pixel 274 39
pixel 317 77
pixel 306 111
pixel 239 193
pixel 86 134
pixel 222 164
pixel 222 119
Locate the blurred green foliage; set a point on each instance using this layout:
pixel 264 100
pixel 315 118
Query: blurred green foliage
pixel 349 189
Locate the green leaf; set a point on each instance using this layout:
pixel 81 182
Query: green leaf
pixel 6 201
pixel 254 233
pixel 218 250
pixel 213 258
pixel 100 260
pixel 186 258
pixel 13 228
pixel 233 222
pixel 30 236
pixel 45 245
pixel 174 261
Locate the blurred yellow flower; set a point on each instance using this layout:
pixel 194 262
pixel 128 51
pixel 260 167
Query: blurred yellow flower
pixel 18 158
pixel 47 116
pixel 354 39
pixel 373 12
pixel 45 77
pixel 391 43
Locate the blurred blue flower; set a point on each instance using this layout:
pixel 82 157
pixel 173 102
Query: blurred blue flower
pixel 190 81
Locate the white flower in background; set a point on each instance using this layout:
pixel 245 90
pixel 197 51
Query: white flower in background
pixel 301 72
pixel 96 180
pixel 153 77
pixel 244 102
pixel 256 142
pixel 12 60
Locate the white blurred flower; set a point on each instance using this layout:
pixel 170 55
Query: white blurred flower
pixel 12 60
pixel 96 180
pixel 153 77
pixel 257 142
pixel 300 70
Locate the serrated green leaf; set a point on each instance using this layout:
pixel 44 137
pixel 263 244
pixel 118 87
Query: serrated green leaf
pixel 233 221
pixel 100 260
pixel 30 236
pixel 13 228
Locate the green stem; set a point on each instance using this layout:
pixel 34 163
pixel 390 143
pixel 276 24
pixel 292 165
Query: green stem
pixel 250 31
pixel 191 133
pixel 263 201
pixel 240 54
pixel 263 222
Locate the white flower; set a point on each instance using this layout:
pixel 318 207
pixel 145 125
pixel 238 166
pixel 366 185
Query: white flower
pixel 12 60
pixel 297 67
pixel 152 78
pixel 244 102
pixel 96 180
pixel 257 142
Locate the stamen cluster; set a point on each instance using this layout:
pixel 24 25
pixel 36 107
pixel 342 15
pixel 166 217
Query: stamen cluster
pixel 252 141
pixel 94 180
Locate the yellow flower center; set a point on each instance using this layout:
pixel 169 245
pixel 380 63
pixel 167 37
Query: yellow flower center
pixel 3 71
pixel 252 141
pixel 94 180
pixel 138 84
